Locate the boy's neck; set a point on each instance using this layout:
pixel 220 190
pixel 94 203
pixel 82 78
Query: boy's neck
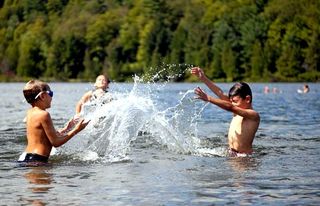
pixel 102 89
pixel 39 106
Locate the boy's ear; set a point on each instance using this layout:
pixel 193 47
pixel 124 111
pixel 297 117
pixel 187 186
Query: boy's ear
pixel 42 95
pixel 248 99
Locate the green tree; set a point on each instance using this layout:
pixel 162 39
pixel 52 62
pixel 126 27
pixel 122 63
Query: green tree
pixel 257 62
pixel 228 63
pixel 32 50
pixel 231 40
pixel 99 35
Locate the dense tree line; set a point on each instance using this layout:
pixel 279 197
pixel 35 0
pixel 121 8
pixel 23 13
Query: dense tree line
pixel 253 40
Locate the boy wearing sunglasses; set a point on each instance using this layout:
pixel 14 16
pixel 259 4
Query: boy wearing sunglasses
pixel 41 134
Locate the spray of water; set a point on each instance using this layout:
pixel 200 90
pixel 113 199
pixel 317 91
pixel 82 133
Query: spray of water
pixel 115 124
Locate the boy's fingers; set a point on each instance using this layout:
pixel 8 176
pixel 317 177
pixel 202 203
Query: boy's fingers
pixel 81 121
pixel 198 90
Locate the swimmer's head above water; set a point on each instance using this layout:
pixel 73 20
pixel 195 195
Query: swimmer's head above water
pixel 102 82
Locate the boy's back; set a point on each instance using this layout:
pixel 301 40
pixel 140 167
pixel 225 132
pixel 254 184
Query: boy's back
pixel 38 141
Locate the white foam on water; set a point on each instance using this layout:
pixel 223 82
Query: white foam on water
pixel 210 152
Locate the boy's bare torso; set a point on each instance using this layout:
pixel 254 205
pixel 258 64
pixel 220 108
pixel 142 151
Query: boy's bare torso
pixel 241 134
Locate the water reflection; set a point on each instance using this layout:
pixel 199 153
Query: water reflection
pixel 243 164
pixel 39 182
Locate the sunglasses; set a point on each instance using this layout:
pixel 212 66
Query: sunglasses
pixel 50 93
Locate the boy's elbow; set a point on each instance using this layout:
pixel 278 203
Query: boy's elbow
pixel 56 144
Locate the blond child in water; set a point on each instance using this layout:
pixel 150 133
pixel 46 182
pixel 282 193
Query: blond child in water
pixel 41 134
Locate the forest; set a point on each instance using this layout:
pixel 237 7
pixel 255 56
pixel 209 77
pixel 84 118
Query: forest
pixel 232 40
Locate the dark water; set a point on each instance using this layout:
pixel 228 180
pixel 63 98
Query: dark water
pixel 157 131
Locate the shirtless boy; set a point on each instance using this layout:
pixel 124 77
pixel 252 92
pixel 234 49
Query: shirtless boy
pixel 245 121
pixel 41 134
pixel 101 86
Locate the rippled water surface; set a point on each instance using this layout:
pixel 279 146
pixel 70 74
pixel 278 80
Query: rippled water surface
pixel 156 145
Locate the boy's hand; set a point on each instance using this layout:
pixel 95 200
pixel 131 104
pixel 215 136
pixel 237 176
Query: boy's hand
pixel 201 94
pixel 198 72
pixel 70 124
pixel 81 125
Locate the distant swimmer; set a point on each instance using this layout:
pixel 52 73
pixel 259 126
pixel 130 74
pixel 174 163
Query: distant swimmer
pixel 274 90
pixel 101 85
pixel 245 121
pixel 41 134
pixel 305 89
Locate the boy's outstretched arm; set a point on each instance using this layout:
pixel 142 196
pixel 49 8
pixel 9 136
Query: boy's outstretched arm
pixel 224 104
pixel 56 139
pixel 227 105
pixel 213 87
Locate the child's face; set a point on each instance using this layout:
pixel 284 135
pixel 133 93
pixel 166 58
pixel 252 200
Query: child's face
pixel 48 97
pixel 240 102
pixel 101 82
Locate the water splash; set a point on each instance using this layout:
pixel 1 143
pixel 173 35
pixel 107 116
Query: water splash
pixel 166 73
pixel 117 123
pixel 176 126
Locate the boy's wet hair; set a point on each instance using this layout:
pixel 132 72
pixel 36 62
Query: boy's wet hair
pixel 33 88
pixel 241 89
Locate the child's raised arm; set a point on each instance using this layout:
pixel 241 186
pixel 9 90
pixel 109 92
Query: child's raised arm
pixel 213 87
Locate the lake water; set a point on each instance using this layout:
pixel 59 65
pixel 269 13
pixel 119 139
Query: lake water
pixel 153 144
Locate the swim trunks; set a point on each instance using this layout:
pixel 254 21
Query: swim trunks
pixel 234 153
pixel 32 157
